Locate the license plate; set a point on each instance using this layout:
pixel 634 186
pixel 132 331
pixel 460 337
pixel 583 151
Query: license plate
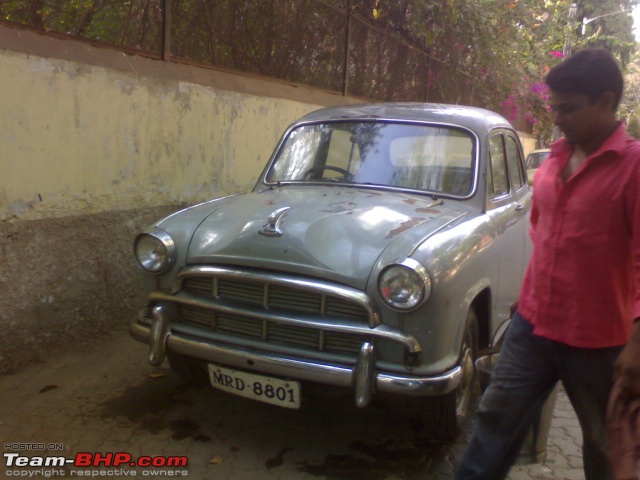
pixel 284 393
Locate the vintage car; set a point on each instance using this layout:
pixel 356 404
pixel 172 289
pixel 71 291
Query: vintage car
pixel 380 251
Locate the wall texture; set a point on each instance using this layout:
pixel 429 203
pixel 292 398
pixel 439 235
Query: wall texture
pixel 96 144
pixel 125 131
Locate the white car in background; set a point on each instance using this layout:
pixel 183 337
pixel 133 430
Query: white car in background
pixel 534 160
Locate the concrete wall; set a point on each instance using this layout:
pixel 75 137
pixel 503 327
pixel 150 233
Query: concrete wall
pixel 124 131
pixel 96 144
pixel 528 142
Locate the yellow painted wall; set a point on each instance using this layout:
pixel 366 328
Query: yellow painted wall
pixel 80 139
pixel 528 142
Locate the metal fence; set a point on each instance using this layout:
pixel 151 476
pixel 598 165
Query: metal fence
pixel 330 44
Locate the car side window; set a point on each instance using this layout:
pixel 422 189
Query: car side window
pixel 514 160
pixel 498 181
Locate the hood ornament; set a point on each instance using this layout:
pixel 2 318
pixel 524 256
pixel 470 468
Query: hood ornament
pixel 274 220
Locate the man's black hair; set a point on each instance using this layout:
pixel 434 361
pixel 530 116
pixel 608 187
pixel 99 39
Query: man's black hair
pixel 590 72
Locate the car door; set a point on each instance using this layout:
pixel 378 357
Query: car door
pixel 508 203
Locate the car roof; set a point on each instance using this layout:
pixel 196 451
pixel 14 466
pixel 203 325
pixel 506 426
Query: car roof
pixel 476 119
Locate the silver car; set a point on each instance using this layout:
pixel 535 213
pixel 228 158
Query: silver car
pixel 379 251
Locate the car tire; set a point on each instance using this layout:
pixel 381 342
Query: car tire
pixel 445 416
pixel 188 369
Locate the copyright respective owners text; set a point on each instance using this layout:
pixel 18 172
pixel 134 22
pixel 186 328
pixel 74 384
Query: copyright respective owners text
pixel 51 460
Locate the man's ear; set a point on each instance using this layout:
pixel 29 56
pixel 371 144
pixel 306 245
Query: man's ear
pixel 607 101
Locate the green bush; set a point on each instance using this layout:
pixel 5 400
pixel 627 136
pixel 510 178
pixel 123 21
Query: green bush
pixel 634 126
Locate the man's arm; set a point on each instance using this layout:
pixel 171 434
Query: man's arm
pixel 627 367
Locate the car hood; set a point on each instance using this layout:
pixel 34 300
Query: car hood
pixel 332 232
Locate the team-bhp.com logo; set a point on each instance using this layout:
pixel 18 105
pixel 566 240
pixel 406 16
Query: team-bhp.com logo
pixel 119 463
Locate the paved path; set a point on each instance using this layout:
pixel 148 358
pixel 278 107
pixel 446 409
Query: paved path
pixel 564 448
pixel 107 399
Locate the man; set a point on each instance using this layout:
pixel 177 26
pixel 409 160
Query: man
pixel 581 293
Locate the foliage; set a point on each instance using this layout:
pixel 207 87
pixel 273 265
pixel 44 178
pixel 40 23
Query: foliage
pixel 630 104
pixel 493 53
pixel 634 126
pixel 547 34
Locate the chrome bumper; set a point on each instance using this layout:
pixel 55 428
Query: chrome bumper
pixel 363 377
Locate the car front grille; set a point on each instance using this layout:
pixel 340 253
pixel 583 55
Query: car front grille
pixel 274 298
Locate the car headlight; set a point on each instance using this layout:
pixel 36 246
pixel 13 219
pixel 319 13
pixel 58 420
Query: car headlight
pixel 155 251
pixel 404 286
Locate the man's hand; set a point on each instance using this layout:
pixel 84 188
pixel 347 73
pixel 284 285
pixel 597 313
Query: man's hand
pixel 513 307
pixel 627 366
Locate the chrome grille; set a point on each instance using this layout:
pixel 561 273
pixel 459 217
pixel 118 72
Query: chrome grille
pixel 288 299
pixel 200 285
pixel 290 335
pixel 198 316
pixel 274 298
pixel 244 292
pixel 342 309
pixel 273 332
pixel 237 325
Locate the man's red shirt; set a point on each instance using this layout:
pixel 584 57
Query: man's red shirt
pixel 582 284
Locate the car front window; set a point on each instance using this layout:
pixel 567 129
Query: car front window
pixel 432 158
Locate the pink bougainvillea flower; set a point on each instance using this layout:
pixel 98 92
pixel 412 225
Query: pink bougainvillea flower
pixel 539 88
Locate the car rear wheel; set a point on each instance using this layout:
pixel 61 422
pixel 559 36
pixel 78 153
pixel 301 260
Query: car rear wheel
pixel 445 416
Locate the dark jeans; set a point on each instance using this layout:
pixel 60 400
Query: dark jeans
pixel 528 369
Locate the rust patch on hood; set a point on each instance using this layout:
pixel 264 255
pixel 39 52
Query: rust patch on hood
pixel 404 226
pixel 427 210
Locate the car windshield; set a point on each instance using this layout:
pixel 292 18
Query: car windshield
pixel 433 158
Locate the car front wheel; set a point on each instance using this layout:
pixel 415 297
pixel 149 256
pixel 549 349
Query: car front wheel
pixel 445 416
pixel 190 370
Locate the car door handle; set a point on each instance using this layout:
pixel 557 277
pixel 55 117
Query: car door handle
pixel 519 207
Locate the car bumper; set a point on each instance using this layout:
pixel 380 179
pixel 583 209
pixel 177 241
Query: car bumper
pixel 363 377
